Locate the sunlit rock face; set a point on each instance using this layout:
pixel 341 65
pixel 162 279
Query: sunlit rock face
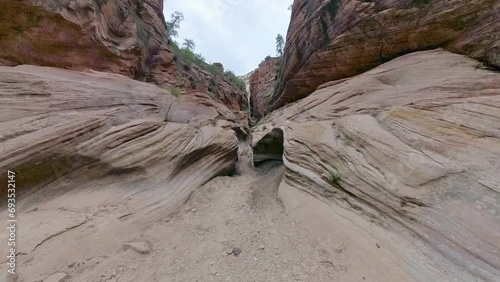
pixel 411 146
pixel 331 39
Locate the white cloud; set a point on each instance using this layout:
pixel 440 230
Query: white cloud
pixel 237 33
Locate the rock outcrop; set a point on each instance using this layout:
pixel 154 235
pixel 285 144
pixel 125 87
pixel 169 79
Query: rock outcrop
pixel 407 154
pixel 127 37
pixel 331 39
pixel 97 126
pixel 100 157
pixel 215 84
pixel 262 84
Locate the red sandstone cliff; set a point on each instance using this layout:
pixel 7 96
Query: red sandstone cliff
pixel 262 83
pixel 332 39
pixel 127 37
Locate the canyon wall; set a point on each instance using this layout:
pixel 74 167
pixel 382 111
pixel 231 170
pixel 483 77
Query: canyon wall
pixel 334 39
pixel 50 115
pixel 127 37
pixel 405 154
pixel 262 84
pixel 98 126
pixel 120 36
pixel 384 115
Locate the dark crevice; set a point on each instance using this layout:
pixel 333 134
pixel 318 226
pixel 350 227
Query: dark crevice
pixel 240 133
pixel 270 147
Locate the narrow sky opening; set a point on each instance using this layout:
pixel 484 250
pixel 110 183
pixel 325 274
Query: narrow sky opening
pixel 237 33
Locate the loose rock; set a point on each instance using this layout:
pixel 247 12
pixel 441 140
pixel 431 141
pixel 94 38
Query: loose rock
pixel 138 247
pixel 236 251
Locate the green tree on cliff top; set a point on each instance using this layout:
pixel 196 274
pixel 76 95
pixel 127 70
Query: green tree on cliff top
pixel 189 44
pixel 173 25
pixel 280 43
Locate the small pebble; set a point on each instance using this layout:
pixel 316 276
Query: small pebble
pixel 138 247
pixel 213 271
pixel 236 251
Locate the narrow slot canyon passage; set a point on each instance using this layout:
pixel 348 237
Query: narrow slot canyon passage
pixel 238 225
pixel 172 141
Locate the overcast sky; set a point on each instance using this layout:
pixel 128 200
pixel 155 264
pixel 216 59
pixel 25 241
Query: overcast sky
pixel 237 33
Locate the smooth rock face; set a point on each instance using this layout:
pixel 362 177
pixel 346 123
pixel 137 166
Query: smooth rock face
pixel 87 126
pixel 332 39
pixel 262 83
pixel 412 147
pixel 127 37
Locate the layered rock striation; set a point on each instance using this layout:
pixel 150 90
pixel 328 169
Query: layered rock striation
pixel 127 37
pixel 96 126
pixel 411 146
pixel 262 84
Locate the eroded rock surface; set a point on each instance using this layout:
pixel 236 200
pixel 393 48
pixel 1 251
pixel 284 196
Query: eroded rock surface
pixel 120 36
pixel 127 37
pixel 215 84
pixel 93 125
pixel 97 157
pixel 411 146
pixel 332 39
pixel 262 83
